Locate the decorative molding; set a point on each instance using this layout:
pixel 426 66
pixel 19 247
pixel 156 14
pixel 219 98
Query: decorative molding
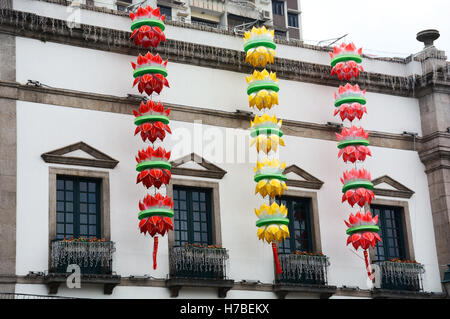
pixel 323 291
pixel 309 182
pixel 400 190
pixel 211 170
pixel 183 113
pixel 87 36
pixel 101 159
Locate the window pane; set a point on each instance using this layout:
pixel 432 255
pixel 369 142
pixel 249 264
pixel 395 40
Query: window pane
pixel 390 232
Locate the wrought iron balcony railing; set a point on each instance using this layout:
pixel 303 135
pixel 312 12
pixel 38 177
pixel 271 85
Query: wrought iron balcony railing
pixel 198 262
pixel 303 269
pixel 91 257
pixel 401 275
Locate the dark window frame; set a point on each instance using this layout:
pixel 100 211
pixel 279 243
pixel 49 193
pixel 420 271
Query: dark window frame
pixel 189 212
pixel 167 11
pixel 278 7
pixel 307 203
pixel 76 204
pixel 382 251
pixel 292 15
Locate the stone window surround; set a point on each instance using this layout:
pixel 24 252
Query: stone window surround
pixel 406 225
pixel 216 221
pixel 105 204
pixel 314 215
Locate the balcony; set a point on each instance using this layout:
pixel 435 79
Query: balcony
pixel 399 277
pixel 303 273
pixel 93 257
pixel 195 266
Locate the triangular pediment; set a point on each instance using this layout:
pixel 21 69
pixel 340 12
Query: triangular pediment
pixel 298 177
pixel 195 165
pixel 387 186
pixel 80 154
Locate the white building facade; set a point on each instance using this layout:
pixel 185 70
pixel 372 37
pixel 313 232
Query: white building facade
pixel 72 124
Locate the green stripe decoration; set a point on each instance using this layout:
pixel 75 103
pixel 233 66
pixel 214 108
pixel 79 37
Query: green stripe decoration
pixel 155 212
pixel 357 184
pixel 262 86
pixel 150 22
pixel 266 131
pixel 345 143
pixel 346 57
pixel 350 99
pixel 268 221
pixel 152 164
pixel 259 177
pixel 149 69
pixel 151 118
pixel 259 43
pixel 363 228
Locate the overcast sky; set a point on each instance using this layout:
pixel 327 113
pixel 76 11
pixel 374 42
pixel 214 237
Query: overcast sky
pixel 381 27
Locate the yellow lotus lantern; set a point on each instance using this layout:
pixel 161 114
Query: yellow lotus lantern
pixel 259 46
pixel 262 90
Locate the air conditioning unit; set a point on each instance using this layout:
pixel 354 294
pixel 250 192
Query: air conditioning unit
pixel 265 15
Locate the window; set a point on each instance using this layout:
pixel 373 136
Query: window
pixel 192 215
pixel 391 232
pixel 167 11
pixel 207 23
pixel 278 7
pixel 78 210
pixel 280 34
pixel 293 20
pixel 299 225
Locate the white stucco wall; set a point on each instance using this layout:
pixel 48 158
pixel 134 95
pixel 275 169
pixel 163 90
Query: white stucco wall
pixel 249 258
pixel 87 70
pixel 206 38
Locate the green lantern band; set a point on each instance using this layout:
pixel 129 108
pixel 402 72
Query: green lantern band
pixel 357 184
pixel 155 212
pixel 266 130
pixel 150 22
pixel 151 118
pixel 345 143
pixel 363 228
pixel 259 43
pixel 152 164
pixel 262 86
pixel 350 99
pixel 268 221
pixel 346 57
pixel 259 177
pixel 150 69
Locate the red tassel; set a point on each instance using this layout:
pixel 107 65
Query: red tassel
pixel 155 251
pixel 276 259
pixel 369 271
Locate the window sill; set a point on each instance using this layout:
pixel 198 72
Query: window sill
pixel 324 291
pixel 222 285
pixel 53 280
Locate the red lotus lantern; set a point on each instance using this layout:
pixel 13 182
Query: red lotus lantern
pixel 345 61
pixel 152 122
pixel 150 73
pixel 357 187
pixel 155 218
pixel 363 232
pixel 153 167
pixel 353 143
pixel 147 26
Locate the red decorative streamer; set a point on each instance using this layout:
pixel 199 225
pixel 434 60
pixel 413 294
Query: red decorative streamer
pixel 276 259
pixel 155 251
